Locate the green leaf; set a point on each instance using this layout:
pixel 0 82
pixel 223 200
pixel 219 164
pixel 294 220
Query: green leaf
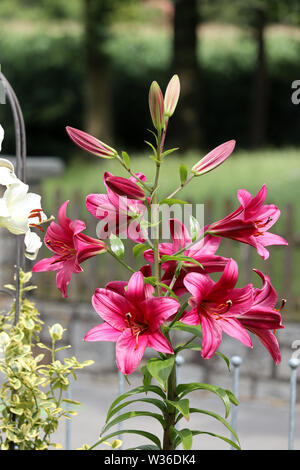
pixel 172 201
pixel 217 417
pixel 152 280
pixel 145 434
pixel 153 401
pixel 28 323
pixel 190 346
pixel 187 259
pixel 225 359
pixel 144 447
pixel 186 437
pixel 167 152
pixel 126 159
pixel 183 172
pixel 137 390
pixel 147 377
pixel 223 438
pixel 117 246
pixel 71 402
pixel 195 330
pixel 152 146
pixel 133 414
pixel 160 369
pixel 139 249
pixel 181 405
pixel 232 397
pixel 184 389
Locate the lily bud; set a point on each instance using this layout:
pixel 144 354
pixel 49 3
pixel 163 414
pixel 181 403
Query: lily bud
pixel 214 158
pixel 90 144
pixel 172 95
pixel 156 105
pixel 125 187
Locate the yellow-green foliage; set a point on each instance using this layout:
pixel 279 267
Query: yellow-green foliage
pixel 31 396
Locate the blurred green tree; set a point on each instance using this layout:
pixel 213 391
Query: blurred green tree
pixel 185 64
pixel 97 19
pixel 256 15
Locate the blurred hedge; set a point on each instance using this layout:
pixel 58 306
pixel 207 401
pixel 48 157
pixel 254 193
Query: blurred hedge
pixel 47 73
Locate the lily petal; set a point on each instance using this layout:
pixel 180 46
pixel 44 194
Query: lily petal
pixel 129 351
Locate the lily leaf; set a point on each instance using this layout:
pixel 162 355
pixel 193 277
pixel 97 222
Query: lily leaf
pixel 181 405
pixel 184 389
pixel 126 159
pixel 187 259
pixel 183 173
pixel 161 369
pixel 186 437
pixel 139 249
pixel 117 246
pixel 172 201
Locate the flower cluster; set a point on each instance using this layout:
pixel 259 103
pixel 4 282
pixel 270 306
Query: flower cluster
pixel 140 313
pixel 183 283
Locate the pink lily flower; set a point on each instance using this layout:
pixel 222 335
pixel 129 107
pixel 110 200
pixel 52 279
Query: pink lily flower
pixel 90 144
pixel 118 214
pixel 202 251
pixel 132 319
pixel 263 319
pixel 215 305
pixel 214 158
pixel 250 222
pixel 70 248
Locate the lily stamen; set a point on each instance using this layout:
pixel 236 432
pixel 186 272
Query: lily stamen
pixel 283 302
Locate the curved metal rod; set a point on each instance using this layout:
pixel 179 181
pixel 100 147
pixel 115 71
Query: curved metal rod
pixel 21 153
pixel 9 294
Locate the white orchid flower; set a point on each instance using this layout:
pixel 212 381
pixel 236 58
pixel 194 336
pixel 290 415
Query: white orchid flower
pixel 19 209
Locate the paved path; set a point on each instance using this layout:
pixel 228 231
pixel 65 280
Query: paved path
pixel 262 424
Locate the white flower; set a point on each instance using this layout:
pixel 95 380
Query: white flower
pixel 1 136
pixel 19 209
pixel 33 244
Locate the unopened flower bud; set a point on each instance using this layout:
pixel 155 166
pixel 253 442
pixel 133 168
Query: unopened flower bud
pixel 90 144
pixel 172 95
pixel 214 158
pixel 156 105
pixel 125 187
pixel 56 332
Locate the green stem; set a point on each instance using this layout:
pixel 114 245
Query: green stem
pixel 187 247
pixel 148 188
pixel 155 214
pixel 168 443
pixel 178 315
pixel 181 348
pixel 180 187
pixel 125 265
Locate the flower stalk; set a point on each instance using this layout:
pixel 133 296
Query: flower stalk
pixel 168 441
